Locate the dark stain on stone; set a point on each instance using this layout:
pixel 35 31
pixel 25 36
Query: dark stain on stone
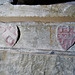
pixel 52 52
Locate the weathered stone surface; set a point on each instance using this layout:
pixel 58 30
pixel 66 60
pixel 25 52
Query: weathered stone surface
pixel 5 1
pixel 9 34
pixel 37 35
pixel 66 36
pixel 28 64
pixel 38 10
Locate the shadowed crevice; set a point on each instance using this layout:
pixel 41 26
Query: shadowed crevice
pixel 18 35
pixel 71 46
pixel 38 2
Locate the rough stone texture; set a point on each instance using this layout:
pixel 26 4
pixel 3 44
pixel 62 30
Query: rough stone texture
pixel 12 63
pixel 28 64
pixel 38 10
pixel 5 1
pixel 37 35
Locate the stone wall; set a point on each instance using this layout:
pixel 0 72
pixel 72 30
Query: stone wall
pixel 39 50
pixel 30 64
